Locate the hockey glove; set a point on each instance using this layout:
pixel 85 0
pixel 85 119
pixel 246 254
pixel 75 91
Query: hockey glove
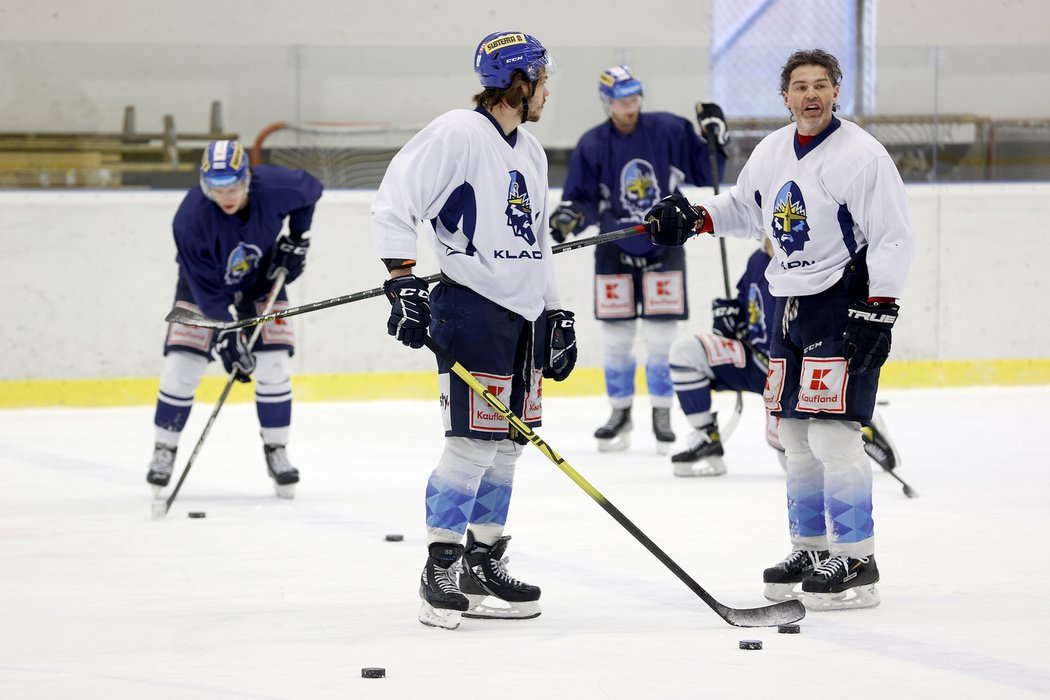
pixel 729 321
pixel 673 220
pixel 712 124
pixel 866 340
pixel 561 344
pixel 232 349
pixel 409 309
pixel 291 256
pixel 565 221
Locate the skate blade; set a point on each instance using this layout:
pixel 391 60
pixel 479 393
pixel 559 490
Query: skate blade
pixel 284 490
pixel 438 617
pixel 157 491
pixel 712 466
pixel 859 597
pixel 777 592
pixel 491 608
pixel 616 444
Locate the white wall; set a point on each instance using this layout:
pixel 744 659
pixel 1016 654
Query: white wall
pixel 89 276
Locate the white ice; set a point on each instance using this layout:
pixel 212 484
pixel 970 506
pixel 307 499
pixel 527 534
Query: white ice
pixel 266 598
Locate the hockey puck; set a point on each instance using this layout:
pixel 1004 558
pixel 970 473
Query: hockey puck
pixel 373 673
pixel 788 629
pixel 196 514
pixel 394 538
pixel 750 644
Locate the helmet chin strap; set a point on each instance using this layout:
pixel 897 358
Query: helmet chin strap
pixel 525 103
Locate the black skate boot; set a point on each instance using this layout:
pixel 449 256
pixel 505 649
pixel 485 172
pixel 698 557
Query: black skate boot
pixel 160 466
pixel 878 445
pixel 442 602
pixel 615 435
pixel 842 582
pixel 703 454
pixel 782 578
pixel 662 430
pixel 485 574
pixel 284 475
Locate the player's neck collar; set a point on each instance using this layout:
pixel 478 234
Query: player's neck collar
pixel 511 138
pixel 801 151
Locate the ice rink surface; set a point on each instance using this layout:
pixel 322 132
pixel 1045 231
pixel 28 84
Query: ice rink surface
pixel 268 598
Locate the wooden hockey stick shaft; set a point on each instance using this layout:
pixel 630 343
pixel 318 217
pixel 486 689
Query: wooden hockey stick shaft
pixel 766 616
pixel 161 508
pixel 192 318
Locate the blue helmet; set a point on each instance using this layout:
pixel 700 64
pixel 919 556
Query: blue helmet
pixel 224 163
pixel 617 82
pixel 502 53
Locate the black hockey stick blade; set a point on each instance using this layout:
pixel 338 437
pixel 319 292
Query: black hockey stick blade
pixel 191 318
pixel 767 616
pixel 908 490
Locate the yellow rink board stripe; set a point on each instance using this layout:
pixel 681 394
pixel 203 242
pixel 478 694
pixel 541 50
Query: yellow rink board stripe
pixel 36 393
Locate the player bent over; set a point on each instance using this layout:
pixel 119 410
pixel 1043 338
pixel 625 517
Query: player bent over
pixel 830 198
pixel 480 180
pixel 227 233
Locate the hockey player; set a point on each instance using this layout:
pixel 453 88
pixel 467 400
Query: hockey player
pixel 480 180
pixel 829 196
pixel 735 357
pixel 227 234
pixel 617 172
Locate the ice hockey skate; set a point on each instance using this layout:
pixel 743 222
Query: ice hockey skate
pixel 878 445
pixel 493 593
pixel 703 454
pixel 782 579
pixel 665 437
pixel 160 467
pixel 284 475
pixel 842 582
pixel 615 435
pixel 442 602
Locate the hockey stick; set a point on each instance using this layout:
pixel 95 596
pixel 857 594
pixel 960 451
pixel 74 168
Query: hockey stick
pixel 766 616
pixel 192 318
pixel 712 154
pixel 161 508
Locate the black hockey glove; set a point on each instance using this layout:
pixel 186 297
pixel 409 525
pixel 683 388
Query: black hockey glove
pixel 409 309
pixel 232 349
pixel 565 221
pixel 288 254
pixel 729 320
pixel 561 344
pixel 712 122
pixel 673 220
pixel 866 340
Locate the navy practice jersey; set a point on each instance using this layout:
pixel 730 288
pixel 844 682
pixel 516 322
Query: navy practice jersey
pixel 756 301
pixel 221 255
pixel 614 179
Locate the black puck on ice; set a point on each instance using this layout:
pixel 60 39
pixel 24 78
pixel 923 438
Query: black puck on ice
pixel 394 538
pixel 788 629
pixel 373 673
pixel 196 514
pixel 750 644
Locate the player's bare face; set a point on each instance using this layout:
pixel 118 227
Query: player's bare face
pixel 231 199
pixel 539 98
pixel 810 98
pixel 624 112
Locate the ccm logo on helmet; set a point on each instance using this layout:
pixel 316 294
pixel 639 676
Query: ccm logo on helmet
pixel 505 40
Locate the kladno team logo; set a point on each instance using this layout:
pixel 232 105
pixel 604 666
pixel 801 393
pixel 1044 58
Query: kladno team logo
pixel 756 315
pixel 519 208
pixel 639 190
pixel 243 259
pixel 790 228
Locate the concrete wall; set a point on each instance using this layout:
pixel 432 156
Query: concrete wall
pixel 88 277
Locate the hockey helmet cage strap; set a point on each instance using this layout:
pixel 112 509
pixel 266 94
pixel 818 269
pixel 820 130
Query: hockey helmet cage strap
pixel 617 82
pixel 502 53
pixel 224 163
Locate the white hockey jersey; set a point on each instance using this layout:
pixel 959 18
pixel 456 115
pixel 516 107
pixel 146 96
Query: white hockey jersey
pixel 485 197
pixel 821 203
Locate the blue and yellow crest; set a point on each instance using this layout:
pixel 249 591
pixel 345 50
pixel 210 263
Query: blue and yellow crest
pixel 243 259
pixel 790 228
pixel 519 208
pixel 639 190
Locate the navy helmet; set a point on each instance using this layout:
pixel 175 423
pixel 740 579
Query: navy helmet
pixel 224 163
pixel 617 82
pixel 502 53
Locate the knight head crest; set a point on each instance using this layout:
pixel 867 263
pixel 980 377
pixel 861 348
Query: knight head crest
pixel 790 228
pixel 519 208
pixel 639 190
